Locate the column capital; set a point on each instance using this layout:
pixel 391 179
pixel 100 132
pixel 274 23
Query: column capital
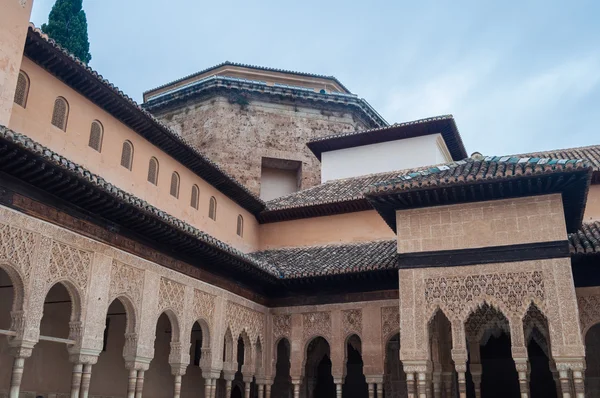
pixel 178 369
pixel 138 364
pixel 21 348
pixel 374 379
pixel 211 373
pixel 247 379
pixel 416 366
pixel 83 358
pixel 228 375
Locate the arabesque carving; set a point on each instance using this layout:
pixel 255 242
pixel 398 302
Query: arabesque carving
pixel 510 291
pixel 352 322
pixel 242 318
pixel 316 324
pixel 282 326
pixel 390 321
pixel 171 295
pixel 67 262
pixel 16 246
pixel 589 311
pixel 204 306
pixel 126 280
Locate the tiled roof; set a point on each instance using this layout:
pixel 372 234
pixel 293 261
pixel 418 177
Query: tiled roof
pixel 467 170
pixel 590 153
pixel 492 177
pixel 586 240
pixel 262 68
pixel 314 261
pixel 444 125
pixel 75 73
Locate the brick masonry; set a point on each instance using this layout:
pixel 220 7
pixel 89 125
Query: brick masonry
pixel 473 225
pixel 238 137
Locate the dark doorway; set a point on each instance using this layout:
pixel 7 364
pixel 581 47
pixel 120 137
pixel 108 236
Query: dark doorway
pixel 500 379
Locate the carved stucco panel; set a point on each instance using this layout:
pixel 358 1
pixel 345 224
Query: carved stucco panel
pixel 17 247
pixel 316 324
pixel 511 292
pixel 589 311
pixel 390 321
pixel 126 280
pixel 204 306
pixel 241 318
pixel 352 322
pixel 68 262
pixel 171 296
pixel 282 326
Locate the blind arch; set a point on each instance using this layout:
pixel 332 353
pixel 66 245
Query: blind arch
pixel 240 225
pixel 22 91
pixel 153 170
pixel 212 208
pixel 195 196
pixel 127 155
pixel 175 184
pixel 96 135
pixel 60 113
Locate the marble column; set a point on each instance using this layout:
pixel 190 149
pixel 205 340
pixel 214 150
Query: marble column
pixel 16 377
pixel 261 391
pixel 522 367
pixel 139 385
pixel 268 390
pixel 86 378
pixel 410 385
pixel 371 389
pixel 422 384
pixel 76 380
pixel 447 381
pixel 228 388
pixel 296 384
pixel 338 390
pixel 246 389
pixel 213 388
pixel 476 373
pixel 131 383
pixel 379 390
pixel 207 387
pixel 437 384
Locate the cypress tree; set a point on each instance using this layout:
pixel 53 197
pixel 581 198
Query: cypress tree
pixel 67 25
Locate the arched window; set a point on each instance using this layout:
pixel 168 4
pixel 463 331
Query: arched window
pixel 240 225
pixel 175 184
pixel 153 171
pixel 212 208
pixel 60 113
pixel 96 133
pixel 22 90
pixel 127 155
pixel 195 196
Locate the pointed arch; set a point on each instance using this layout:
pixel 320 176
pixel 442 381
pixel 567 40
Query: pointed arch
pixel 22 90
pixel 258 357
pixel 60 113
pixel 228 349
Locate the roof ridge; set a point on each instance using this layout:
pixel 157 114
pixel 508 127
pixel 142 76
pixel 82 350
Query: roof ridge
pixel 326 246
pixel 250 66
pixel 577 148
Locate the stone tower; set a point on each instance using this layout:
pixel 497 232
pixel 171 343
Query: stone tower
pixel 255 122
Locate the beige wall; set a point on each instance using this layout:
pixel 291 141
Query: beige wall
pixel 34 121
pixel 275 183
pixel 592 207
pixel 14 20
pixel 491 223
pixel 363 226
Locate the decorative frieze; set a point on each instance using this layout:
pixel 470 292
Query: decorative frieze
pixel 390 321
pixel 171 295
pixel 282 326
pixel 243 318
pixel 16 247
pixel 67 262
pixel 126 280
pixel 204 306
pixel 316 324
pixel 352 322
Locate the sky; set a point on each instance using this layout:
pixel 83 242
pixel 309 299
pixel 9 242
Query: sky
pixel 518 76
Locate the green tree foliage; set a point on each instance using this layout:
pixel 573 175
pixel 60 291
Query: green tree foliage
pixel 67 25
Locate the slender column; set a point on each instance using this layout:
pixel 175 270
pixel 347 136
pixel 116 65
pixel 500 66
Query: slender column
pixel 462 380
pixel 139 385
pixel 422 384
pixel 371 388
pixel 213 388
pixel 268 390
pixel 296 388
pixel 565 383
pixel 410 385
pixel 476 373
pixel 578 382
pixel 228 388
pixel 556 378
pixel 338 390
pixel 131 384
pixel 207 387
pixel 177 387
pixel 247 389
pixel 86 378
pixel 379 389
pixel 261 390
pixel 16 377
pixel 76 380
pixel 522 369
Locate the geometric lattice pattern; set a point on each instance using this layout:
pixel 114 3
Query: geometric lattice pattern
pixel 316 324
pixel 204 305
pixel 390 321
pixel 589 311
pixel 170 295
pixel 126 280
pixel 456 295
pixel 69 262
pixel 243 318
pixel 16 246
pixel 282 326
pixel 352 322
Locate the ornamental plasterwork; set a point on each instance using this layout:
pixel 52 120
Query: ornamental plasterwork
pixel 390 321
pixel 170 296
pixel 67 262
pixel 242 318
pixel 352 322
pixel 16 246
pixel 316 324
pixel 204 306
pixel 589 311
pixel 535 320
pixel 126 280
pixel 483 321
pixel 459 295
pixel 282 326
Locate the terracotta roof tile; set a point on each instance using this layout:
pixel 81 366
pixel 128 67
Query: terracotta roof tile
pixel 314 261
pixel 586 240
pixel 590 153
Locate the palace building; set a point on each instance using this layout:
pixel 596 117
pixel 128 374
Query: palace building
pixel 256 232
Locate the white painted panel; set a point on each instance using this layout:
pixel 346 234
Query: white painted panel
pixel 275 183
pixel 382 157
